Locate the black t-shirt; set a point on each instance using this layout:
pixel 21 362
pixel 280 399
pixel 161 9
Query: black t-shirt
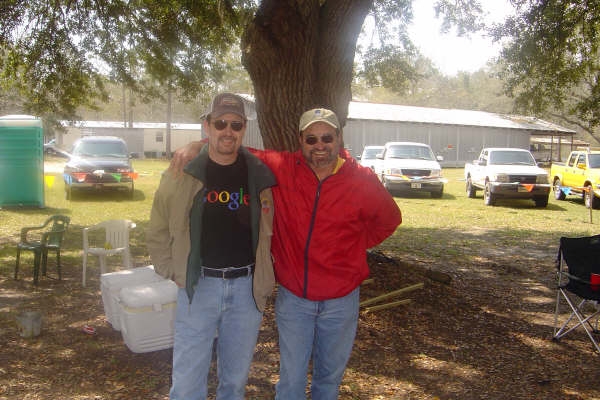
pixel 226 232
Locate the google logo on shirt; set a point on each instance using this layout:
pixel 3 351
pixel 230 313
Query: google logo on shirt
pixel 232 199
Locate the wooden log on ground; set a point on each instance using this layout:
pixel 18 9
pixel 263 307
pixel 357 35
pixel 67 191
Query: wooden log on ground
pixel 392 294
pixel 387 305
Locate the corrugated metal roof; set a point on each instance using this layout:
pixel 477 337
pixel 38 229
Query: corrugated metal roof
pixel 138 125
pixel 391 112
pixel 400 113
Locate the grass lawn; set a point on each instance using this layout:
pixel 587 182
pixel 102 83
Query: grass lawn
pixel 513 220
pixel 85 210
pixel 445 229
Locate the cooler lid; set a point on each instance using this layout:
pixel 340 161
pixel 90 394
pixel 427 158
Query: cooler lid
pixel 128 277
pixel 145 295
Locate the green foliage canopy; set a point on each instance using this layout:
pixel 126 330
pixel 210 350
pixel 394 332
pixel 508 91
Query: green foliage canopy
pixel 551 62
pixel 56 54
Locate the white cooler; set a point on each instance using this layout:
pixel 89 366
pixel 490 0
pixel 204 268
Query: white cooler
pixel 147 315
pixel 111 284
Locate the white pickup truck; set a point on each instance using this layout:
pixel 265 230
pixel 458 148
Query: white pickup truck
pixel 507 173
pixel 410 166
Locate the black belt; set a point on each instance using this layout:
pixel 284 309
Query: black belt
pixel 227 273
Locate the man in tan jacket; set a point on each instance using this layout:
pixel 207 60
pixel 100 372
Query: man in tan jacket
pixel 210 232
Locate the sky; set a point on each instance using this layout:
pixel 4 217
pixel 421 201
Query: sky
pixel 450 53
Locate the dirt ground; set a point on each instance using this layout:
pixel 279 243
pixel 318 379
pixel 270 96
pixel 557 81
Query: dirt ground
pixel 480 331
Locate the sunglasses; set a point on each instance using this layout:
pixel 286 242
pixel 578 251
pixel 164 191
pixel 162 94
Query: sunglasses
pixel 311 139
pixel 221 124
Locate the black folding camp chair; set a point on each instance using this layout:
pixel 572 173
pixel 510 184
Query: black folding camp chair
pixel 578 259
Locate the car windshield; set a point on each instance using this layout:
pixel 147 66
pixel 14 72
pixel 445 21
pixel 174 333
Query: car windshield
pixel 511 157
pixel 371 153
pixel 410 152
pixel 100 149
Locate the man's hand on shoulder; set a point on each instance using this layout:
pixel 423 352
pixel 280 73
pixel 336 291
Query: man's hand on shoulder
pixel 184 155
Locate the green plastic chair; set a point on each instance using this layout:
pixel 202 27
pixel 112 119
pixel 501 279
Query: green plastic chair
pixel 42 239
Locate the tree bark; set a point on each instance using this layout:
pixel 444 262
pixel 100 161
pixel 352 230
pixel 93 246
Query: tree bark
pixel 169 120
pixel 300 55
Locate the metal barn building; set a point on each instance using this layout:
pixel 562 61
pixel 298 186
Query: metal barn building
pixel 457 135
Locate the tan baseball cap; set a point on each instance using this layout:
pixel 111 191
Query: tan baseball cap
pixel 318 115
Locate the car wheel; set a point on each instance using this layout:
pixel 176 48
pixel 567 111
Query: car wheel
pixel 590 199
pixel 437 194
pixel 385 183
pixel 387 186
pixel 558 193
pixel 541 201
pixel 471 192
pixel 488 197
pixel 131 192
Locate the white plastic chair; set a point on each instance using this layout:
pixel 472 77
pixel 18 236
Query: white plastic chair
pixel 115 241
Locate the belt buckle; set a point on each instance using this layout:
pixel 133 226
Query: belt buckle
pixel 226 271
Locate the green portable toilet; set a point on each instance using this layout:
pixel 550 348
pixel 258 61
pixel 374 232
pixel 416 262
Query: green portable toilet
pixel 21 161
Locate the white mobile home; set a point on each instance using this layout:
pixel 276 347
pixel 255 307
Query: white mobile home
pixel 148 139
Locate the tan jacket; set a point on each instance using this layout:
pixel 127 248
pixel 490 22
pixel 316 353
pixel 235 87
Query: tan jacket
pixel 169 240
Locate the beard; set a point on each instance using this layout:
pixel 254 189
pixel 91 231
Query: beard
pixel 320 158
pixel 227 145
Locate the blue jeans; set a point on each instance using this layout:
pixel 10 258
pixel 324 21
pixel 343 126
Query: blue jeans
pixel 226 307
pixel 325 329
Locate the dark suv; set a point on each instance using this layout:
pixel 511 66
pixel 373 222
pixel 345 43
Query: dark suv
pixel 99 163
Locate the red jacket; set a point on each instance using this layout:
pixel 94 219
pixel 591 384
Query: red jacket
pixel 322 230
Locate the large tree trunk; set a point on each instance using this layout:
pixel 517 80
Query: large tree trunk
pixel 300 55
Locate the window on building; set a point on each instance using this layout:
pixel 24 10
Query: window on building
pixel 159 137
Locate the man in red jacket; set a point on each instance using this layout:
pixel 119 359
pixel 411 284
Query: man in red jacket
pixel 330 211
